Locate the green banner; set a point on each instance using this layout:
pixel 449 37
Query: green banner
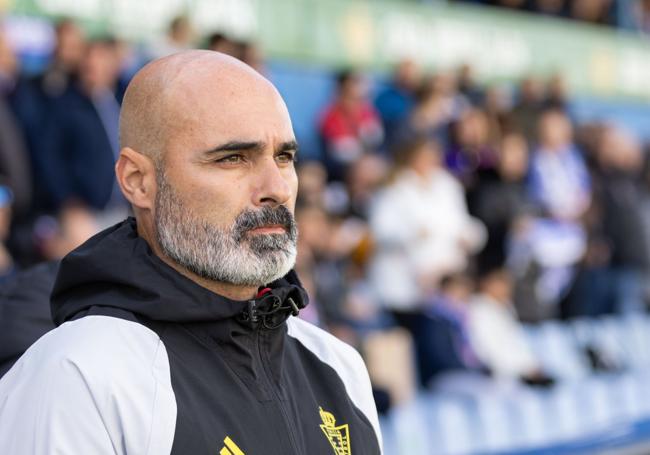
pixel 373 34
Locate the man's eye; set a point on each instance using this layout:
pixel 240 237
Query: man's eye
pixel 286 157
pixel 231 159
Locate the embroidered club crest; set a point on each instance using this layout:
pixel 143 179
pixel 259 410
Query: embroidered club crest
pixel 338 436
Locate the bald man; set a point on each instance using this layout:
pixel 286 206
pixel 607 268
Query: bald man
pixel 176 328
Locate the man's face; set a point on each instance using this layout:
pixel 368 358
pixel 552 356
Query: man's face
pixel 227 187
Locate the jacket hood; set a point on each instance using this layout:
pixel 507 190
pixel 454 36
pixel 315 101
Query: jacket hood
pixel 116 268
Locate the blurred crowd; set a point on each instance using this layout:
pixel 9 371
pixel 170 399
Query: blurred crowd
pixel 454 211
pixel 631 14
pixel 440 214
pixel 59 135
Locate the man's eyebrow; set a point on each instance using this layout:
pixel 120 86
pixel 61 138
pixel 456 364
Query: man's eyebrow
pixel 237 146
pixel 242 146
pixel 287 146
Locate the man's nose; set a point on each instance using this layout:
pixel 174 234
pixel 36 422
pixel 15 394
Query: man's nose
pixel 272 186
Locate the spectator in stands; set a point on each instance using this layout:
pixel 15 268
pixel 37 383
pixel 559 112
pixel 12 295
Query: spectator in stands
pixel 428 117
pixel 544 252
pixel 219 42
pixel 641 12
pixel 313 184
pixel 559 179
pixel 7 267
pixel 471 155
pixel 25 296
pixel 454 103
pixel 246 51
pixel 550 7
pixel 503 202
pixel 421 228
pixel 314 235
pixel 251 54
pixel 363 180
pixel 179 37
pixel 68 53
pixel 350 126
pixel 528 108
pixel 620 193
pixel 56 237
pixel 645 216
pixel 591 291
pixel 467 85
pixel 31 99
pixel 396 101
pixel 497 105
pixel 496 335
pixel 442 338
pixel 593 11
pixel 130 60
pixel 15 175
pixel 557 96
pixel 25 309
pixel 326 245
pixel 8 66
pixel 497 101
pixel 79 143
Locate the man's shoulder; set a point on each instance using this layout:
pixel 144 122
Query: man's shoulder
pixel 94 345
pixel 99 384
pixel 344 360
pixel 339 356
pixel 84 336
pixel 323 344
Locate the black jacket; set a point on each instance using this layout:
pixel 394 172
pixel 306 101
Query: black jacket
pixel 145 361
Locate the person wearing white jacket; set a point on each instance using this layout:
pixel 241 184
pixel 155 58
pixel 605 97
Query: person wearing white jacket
pixel 497 336
pixel 421 227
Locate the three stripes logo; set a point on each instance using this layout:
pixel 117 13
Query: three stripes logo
pixel 230 448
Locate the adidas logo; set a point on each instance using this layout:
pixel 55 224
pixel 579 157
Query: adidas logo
pixel 230 448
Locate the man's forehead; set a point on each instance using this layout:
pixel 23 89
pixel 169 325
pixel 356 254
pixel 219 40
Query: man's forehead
pixel 238 116
pixel 200 96
pixel 223 104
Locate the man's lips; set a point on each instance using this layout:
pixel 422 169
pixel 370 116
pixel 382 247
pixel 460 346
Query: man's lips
pixel 270 229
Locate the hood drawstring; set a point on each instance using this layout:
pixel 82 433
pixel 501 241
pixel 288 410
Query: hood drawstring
pixel 270 309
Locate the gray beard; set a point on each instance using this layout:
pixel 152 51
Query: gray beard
pixel 230 255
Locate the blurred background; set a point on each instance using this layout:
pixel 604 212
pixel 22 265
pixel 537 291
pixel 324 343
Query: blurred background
pixel 474 207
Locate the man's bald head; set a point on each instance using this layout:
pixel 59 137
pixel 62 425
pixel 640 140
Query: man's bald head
pixel 174 94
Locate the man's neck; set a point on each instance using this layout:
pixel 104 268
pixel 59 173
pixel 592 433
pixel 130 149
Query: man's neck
pixel 230 291
pixel 227 290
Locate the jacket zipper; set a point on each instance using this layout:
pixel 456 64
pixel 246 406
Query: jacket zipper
pixel 269 380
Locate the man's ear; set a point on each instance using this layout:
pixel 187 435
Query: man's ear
pixel 136 175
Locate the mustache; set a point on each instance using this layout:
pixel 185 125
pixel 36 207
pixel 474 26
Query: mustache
pixel 266 216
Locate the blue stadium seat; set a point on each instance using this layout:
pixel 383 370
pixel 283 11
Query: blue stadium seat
pixel 582 407
pixel 558 350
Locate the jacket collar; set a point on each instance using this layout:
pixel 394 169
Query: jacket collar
pixel 117 268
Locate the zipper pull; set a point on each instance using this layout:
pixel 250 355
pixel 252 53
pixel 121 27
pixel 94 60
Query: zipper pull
pixel 294 308
pixel 252 312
